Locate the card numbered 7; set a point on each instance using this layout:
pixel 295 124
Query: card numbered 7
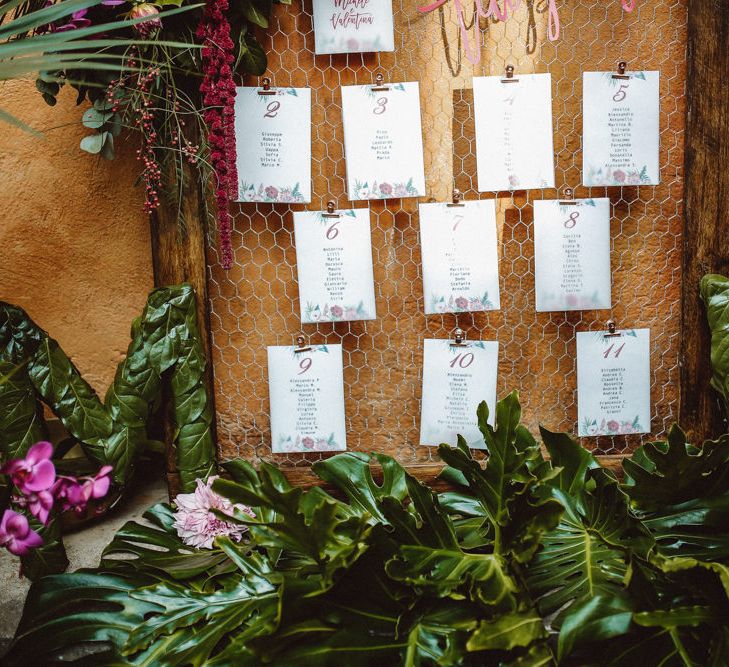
pixel 455 380
pixel 273 145
pixel 613 382
pixel 620 128
pixel 306 390
pixel 383 141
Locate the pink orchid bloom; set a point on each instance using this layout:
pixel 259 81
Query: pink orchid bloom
pixel 35 472
pixel 16 534
pixel 39 504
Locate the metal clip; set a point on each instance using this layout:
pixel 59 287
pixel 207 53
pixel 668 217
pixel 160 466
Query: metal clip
pixel 569 198
pixel 621 71
pixel 459 338
pixel 612 332
pixel 301 345
pixel 379 80
pixel 457 198
pixel 266 87
pixel 331 210
pixel 509 75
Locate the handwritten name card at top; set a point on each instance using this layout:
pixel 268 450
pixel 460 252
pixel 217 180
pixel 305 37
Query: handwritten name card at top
pixel 460 257
pixel 273 145
pixel 613 383
pixel 306 391
pixel 572 255
pixel 620 129
pixel 383 141
pixel 353 26
pixel 514 144
pixel 455 381
pixel 334 264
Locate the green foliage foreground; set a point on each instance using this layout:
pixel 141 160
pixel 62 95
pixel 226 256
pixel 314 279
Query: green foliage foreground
pixel 530 562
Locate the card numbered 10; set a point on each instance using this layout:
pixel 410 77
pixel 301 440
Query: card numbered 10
pixel 613 383
pixel 455 380
pixel 306 391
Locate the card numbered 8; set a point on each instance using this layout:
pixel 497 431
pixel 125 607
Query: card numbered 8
pixel 613 382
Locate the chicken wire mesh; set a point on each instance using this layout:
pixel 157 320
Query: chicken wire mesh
pixel 255 304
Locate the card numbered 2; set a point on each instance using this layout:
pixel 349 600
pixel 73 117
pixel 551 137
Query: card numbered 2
pixel 613 383
pixel 455 380
pixel 306 392
pixel 273 145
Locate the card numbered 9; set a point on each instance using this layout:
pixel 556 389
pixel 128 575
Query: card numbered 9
pixel 456 378
pixel 613 382
pixel 306 391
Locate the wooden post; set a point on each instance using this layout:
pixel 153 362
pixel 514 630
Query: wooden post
pixel 706 241
pixel 179 256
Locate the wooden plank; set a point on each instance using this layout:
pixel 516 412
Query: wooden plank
pixel 706 249
pixel 179 256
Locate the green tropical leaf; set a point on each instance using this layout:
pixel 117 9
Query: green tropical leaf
pixel 715 294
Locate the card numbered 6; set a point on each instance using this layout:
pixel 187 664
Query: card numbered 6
pixel 455 380
pixel 613 382
pixel 306 391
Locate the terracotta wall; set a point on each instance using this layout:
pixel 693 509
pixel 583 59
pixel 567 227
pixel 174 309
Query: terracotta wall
pixel 75 242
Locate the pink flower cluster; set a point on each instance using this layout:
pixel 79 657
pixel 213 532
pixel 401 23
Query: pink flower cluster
pixel 218 91
pixel 195 522
pixel 39 489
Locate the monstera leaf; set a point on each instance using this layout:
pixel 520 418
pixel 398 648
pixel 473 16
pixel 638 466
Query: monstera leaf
pixel 715 294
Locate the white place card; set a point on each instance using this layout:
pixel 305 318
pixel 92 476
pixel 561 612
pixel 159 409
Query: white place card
pixel 572 255
pixel 383 141
pixel 353 26
pixel 273 145
pixel 620 129
pixel 514 145
pixel 334 265
pixel 455 381
pixel 613 383
pixel 306 391
pixel 460 257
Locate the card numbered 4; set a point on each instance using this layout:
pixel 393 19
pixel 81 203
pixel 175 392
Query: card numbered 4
pixel 383 141
pixel 572 255
pixel 514 143
pixel 455 380
pixel 613 383
pixel 621 129
pixel 460 257
pixel 273 145
pixel 334 265
pixel 306 391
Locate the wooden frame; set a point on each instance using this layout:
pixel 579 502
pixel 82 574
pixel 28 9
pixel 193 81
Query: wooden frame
pixel 182 258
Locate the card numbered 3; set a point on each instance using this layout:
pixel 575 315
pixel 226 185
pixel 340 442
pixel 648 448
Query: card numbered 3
pixel 613 383
pixel 455 380
pixel 306 392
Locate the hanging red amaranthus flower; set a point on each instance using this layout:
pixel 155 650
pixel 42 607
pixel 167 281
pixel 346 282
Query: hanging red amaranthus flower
pixel 218 92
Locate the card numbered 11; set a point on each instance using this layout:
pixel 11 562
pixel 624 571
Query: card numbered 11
pixel 383 141
pixel 273 145
pixel 460 257
pixel 334 265
pixel 514 143
pixel 572 255
pixel 613 382
pixel 306 391
pixel 455 380
pixel 621 129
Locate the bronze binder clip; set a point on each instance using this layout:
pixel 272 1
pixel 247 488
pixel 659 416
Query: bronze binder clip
pixel 379 81
pixel 331 212
pixel 612 332
pixel 301 345
pixel 509 75
pixel 457 198
pixel 621 71
pixel 459 336
pixel 266 87
pixel 569 198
